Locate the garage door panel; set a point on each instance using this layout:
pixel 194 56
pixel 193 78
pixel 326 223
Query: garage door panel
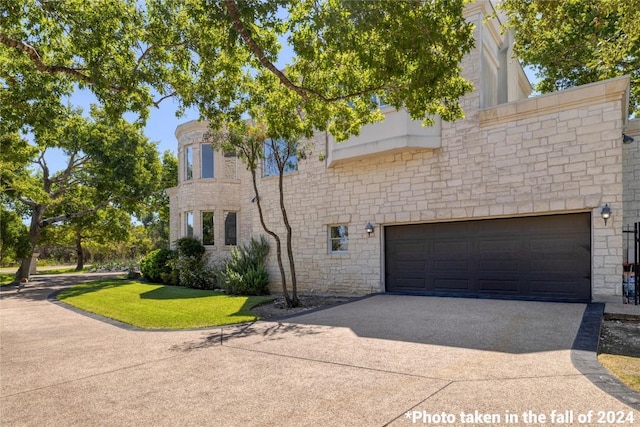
pixel 504 266
pixel 499 286
pixel 453 284
pixel 546 257
pixel 444 265
pixel 558 288
pixel 442 247
pixel 499 246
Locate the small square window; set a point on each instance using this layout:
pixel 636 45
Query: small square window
pixel 338 238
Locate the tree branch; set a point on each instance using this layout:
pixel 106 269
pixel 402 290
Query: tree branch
pixel 258 52
pixel 63 217
pixel 40 65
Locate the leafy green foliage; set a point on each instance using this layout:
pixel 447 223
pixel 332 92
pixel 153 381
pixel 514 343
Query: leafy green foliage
pixel 156 264
pixel 14 237
pixel 220 57
pixel 191 265
pixel 245 273
pixel 189 247
pixel 575 42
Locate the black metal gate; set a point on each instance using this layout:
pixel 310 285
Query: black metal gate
pixel 631 267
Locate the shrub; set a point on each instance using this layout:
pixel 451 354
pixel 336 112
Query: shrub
pixel 245 273
pixel 191 266
pixel 190 247
pixel 156 264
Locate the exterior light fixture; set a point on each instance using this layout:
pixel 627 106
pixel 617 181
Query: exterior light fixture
pixel 605 213
pixel 368 228
pixel 626 139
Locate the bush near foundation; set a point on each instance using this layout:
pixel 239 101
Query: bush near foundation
pixel 246 273
pixel 156 264
pixel 191 265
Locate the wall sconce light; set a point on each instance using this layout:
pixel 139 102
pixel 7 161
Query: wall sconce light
pixel 368 228
pixel 626 139
pixel 255 199
pixel 605 213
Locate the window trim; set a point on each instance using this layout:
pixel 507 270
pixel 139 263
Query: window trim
pixel 331 239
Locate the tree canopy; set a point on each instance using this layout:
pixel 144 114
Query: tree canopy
pixel 221 57
pixel 574 42
pixel 109 164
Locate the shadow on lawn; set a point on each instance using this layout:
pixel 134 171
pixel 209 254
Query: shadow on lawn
pixel 98 285
pixel 177 292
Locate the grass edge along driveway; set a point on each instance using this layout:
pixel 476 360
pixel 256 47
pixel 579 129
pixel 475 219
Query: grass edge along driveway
pixel 155 306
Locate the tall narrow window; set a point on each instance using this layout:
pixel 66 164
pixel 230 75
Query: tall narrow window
pixel 208 228
pixel 188 222
pixel 206 152
pixel 338 238
pixel 188 163
pixel 281 151
pixel 230 229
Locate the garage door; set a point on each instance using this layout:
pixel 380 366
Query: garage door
pixel 545 257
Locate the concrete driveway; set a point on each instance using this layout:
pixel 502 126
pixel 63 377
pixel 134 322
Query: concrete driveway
pixel 382 360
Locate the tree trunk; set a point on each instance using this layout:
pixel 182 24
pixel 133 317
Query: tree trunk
pixel 79 251
pixel 295 302
pixel 283 276
pixel 35 227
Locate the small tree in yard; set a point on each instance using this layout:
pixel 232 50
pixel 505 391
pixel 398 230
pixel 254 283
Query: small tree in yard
pixel 248 143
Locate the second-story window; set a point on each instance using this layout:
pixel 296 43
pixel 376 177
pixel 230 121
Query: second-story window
pixel 279 151
pixel 206 161
pixel 188 163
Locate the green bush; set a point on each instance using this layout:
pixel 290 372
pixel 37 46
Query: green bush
pixel 156 264
pixel 191 266
pixel 190 247
pixel 245 273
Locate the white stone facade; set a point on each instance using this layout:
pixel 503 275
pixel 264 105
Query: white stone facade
pixel 556 153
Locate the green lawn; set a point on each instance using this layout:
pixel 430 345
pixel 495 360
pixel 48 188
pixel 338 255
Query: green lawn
pixel 154 306
pixel 6 279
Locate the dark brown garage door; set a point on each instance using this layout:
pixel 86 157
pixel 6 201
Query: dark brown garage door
pixel 545 257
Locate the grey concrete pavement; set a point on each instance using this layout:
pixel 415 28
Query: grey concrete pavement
pixel 366 363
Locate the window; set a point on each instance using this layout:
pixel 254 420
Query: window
pixel 206 164
pixel 338 238
pixel 230 229
pixel 379 101
pixel 188 163
pixel 281 150
pixel 188 222
pixel 208 228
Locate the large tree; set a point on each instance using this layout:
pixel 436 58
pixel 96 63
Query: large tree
pixel 221 58
pixel 134 54
pixel 110 158
pixel 154 214
pixel 574 42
